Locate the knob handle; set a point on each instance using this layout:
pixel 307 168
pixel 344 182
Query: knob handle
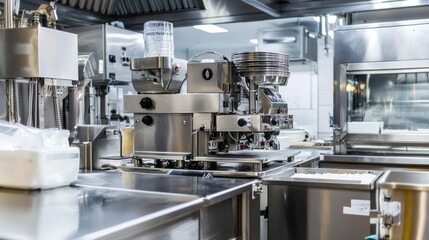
pixel 147 120
pixel 146 103
pixel 242 122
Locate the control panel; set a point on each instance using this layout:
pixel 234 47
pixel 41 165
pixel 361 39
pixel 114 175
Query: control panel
pixel 113 48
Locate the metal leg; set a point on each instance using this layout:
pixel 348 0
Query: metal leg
pixel 40 104
pixel 245 216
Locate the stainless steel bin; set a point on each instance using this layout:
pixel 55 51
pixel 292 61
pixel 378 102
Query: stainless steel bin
pixel 322 209
pixel 403 202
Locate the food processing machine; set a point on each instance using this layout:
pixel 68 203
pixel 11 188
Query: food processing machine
pixel 95 104
pixel 230 114
pixel 37 64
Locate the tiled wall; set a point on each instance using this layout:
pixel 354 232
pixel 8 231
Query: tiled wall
pixel 325 89
pixel 310 94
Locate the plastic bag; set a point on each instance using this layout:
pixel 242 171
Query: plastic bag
pixel 17 136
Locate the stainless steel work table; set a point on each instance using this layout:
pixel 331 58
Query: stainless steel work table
pixel 210 189
pixel 114 205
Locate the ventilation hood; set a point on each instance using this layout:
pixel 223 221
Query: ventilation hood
pixel 133 13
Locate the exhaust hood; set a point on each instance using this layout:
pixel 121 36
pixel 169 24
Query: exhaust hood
pixel 293 40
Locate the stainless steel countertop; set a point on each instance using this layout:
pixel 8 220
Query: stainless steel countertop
pixel 101 205
pixel 75 212
pixel 210 189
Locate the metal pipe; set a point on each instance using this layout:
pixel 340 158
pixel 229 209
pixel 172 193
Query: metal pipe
pixel 57 109
pixel 15 104
pixel 8 13
pixel 9 104
pixel 11 85
pixel 326 22
pixel 252 98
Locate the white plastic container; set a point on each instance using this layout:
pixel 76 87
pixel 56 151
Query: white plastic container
pixel 159 40
pixel 41 169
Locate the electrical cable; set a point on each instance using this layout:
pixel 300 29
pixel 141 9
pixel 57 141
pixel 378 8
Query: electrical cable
pixel 229 133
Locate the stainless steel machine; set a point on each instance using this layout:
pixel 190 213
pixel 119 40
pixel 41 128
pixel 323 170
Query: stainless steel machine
pixel 112 49
pixel 381 96
pixel 315 203
pixel 37 65
pixel 230 113
pixel 95 106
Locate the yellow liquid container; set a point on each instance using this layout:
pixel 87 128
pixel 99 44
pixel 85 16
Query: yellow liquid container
pixel 127 141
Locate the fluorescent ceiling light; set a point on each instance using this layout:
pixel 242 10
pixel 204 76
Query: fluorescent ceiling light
pixel 210 28
pixel 254 41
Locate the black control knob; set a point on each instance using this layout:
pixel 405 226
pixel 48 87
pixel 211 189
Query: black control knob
pixel 146 103
pixel 147 120
pixel 242 122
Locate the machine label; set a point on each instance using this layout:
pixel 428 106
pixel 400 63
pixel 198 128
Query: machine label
pixel 358 207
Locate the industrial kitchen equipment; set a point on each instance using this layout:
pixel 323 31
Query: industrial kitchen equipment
pixel 95 106
pixel 230 114
pixel 314 203
pixel 402 205
pixel 381 96
pixel 37 63
pixel 112 49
